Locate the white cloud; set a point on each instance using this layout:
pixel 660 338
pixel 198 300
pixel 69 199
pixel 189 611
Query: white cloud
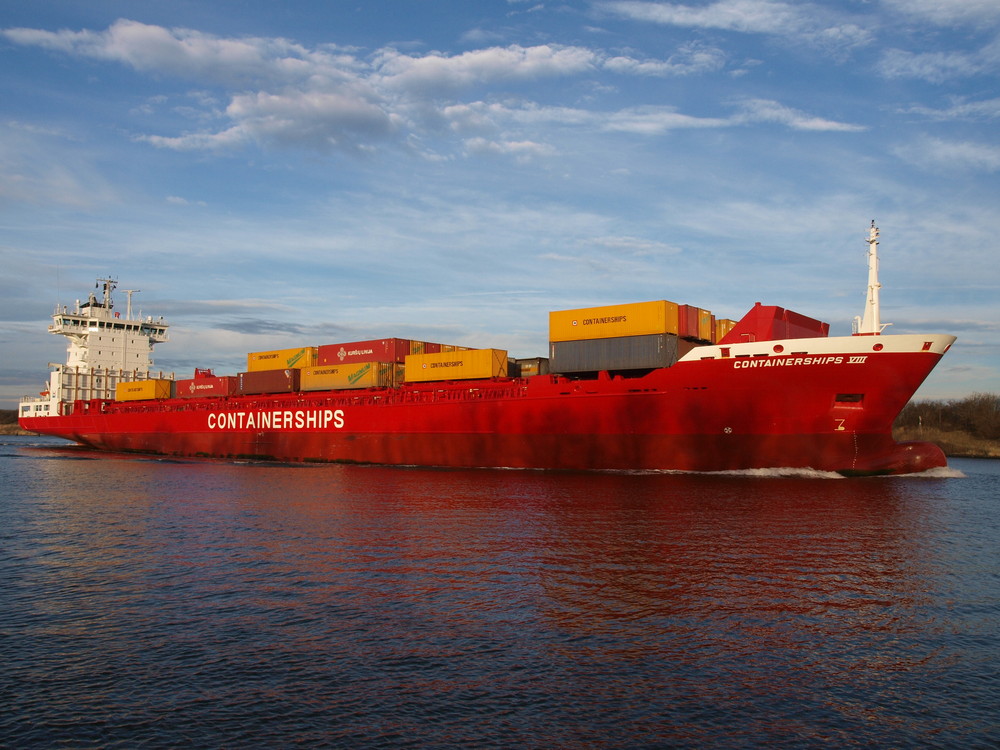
pixel 951 156
pixel 313 119
pixel 941 66
pixel 281 93
pixel 523 151
pixel 935 67
pixel 754 16
pixel 688 60
pixel 326 99
pixel 765 110
pixel 950 12
pixel 438 72
pixel 657 120
pixel 182 52
pixel 232 137
pixel 801 22
pixel 988 109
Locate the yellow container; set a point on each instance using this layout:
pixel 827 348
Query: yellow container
pixel 706 322
pixel 461 365
pixel 612 321
pixel 357 375
pixel 143 390
pixel 282 359
pixel 722 327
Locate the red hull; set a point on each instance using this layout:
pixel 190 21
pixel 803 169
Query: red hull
pixel 832 412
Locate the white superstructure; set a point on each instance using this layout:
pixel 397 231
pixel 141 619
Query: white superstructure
pixel 104 348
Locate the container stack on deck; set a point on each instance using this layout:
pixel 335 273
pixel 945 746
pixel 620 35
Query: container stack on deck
pixel 617 338
pixel 377 363
pixel 621 338
pixel 144 390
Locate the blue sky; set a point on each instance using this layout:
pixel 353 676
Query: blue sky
pixel 281 174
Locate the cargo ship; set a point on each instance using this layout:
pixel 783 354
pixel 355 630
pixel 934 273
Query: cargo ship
pixel 647 386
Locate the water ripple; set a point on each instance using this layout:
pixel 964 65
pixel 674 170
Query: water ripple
pixel 154 604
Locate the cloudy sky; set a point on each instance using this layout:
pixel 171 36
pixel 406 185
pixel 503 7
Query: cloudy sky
pixel 279 174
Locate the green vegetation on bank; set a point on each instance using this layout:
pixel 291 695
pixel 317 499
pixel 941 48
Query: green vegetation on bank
pixel 8 423
pixel 962 427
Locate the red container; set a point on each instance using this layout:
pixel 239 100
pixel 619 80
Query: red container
pixel 687 321
pixel 269 381
pixel 203 386
pixel 424 347
pixel 376 350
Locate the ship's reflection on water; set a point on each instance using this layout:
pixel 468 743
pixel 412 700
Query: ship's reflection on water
pixel 228 604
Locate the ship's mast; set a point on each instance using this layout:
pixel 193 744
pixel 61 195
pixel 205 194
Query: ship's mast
pixel 128 308
pixel 871 324
pixel 109 286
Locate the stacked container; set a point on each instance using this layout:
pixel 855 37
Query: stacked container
pixel 456 365
pixel 205 386
pixel 269 381
pixel 640 335
pixel 143 390
pixel 722 328
pixel 281 359
pixel 695 324
pixel 529 367
pixel 353 375
pixel 375 350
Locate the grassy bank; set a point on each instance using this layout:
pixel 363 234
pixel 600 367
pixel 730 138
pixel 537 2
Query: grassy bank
pixel 8 423
pixel 955 443
pixel 968 427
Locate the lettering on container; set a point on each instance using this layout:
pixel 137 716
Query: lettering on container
pixel 355 377
pixel 342 353
pixel 278 419
pixel 604 321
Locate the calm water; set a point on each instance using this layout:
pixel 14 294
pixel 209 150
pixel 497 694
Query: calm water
pixel 148 603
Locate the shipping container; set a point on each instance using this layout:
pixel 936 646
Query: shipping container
pixel 282 359
pixel 463 365
pixel 354 375
pixel 613 321
pixel 706 325
pixel 695 323
pixel 269 381
pixel 376 350
pixel 424 347
pixel 722 328
pixel 203 386
pixel 620 353
pixel 531 366
pixel 143 390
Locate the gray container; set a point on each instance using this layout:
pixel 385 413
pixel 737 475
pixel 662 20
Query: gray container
pixel 622 353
